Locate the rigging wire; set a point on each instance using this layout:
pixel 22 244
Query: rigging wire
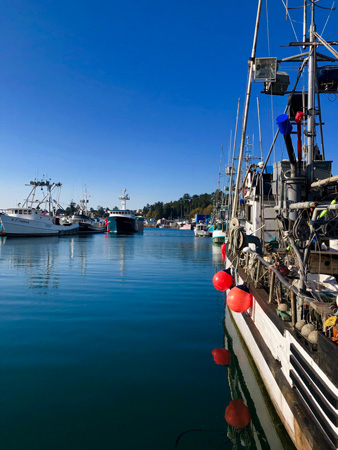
pixel 287 12
pixel 328 17
pixel 314 2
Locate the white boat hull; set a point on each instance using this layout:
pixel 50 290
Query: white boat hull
pixel 218 236
pixel 42 226
pixel 270 349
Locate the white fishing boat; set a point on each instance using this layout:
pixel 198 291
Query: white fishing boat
pixel 37 217
pixel 282 292
pixel 202 230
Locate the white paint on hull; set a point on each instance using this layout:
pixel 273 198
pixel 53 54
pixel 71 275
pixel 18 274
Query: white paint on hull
pixel 25 226
pixel 254 389
pixel 270 383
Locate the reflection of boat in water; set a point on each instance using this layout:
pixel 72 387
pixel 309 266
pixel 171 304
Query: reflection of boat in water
pixel 266 430
pixel 124 220
pixel 37 258
pixel 37 217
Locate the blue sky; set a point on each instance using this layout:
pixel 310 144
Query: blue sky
pixel 131 94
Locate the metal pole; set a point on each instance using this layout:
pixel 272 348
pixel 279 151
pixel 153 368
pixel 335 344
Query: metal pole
pixel 285 111
pixel 304 24
pixel 311 102
pixel 233 157
pixel 246 109
pixel 320 124
pixel 259 129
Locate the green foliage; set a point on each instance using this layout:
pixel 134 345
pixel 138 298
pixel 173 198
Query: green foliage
pixel 185 207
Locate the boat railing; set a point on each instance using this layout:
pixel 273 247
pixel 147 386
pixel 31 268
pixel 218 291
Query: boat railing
pixel 264 268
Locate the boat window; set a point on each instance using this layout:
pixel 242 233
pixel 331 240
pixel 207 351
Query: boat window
pixel 20 211
pixel 16 211
pixel 29 211
pixel 25 211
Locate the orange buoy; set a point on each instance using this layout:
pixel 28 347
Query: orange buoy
pixel 239 299
pixel 237 414
pixel 221 356
pixel 222 280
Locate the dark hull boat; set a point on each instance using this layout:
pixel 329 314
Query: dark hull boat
pixel 89 225
pixel 124 224
pixel 124 221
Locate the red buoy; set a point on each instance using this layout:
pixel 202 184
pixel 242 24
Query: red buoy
pixel 239 299
pixel 223 248
pixel 221 356
pixel 222 280
pixel 237 414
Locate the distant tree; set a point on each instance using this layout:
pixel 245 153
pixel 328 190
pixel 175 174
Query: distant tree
pixel 186 206
pixel 100 211
pixel 195 211
pixel 208 210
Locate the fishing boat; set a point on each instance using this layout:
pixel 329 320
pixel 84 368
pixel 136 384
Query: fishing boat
pixel 124 220
pixel 187 226
pixel 87 224
pixel 218 232
pixel 202 230
pixel 37 217
pixel 282 257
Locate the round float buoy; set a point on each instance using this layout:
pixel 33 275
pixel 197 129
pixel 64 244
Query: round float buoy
pixel 239 299
pixel 221 356
pixel 237 414
pixel 222 280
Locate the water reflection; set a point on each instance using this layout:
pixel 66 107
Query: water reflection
pixel 245 383
pixel 120 247
pixel 38 261
pixel 264 430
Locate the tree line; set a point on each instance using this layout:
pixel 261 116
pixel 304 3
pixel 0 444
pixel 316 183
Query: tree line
pixel 185 207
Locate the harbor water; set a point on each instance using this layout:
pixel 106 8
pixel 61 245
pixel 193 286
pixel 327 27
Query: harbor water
pixel 105 343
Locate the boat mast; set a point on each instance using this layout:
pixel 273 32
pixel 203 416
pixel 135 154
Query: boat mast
pixel 124 197
pixel 311 99
pixel 233 158
pixel 246 109
pixel 259 129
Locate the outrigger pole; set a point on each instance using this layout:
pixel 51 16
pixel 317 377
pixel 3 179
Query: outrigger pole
pixel 233 160
pixel 246 109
